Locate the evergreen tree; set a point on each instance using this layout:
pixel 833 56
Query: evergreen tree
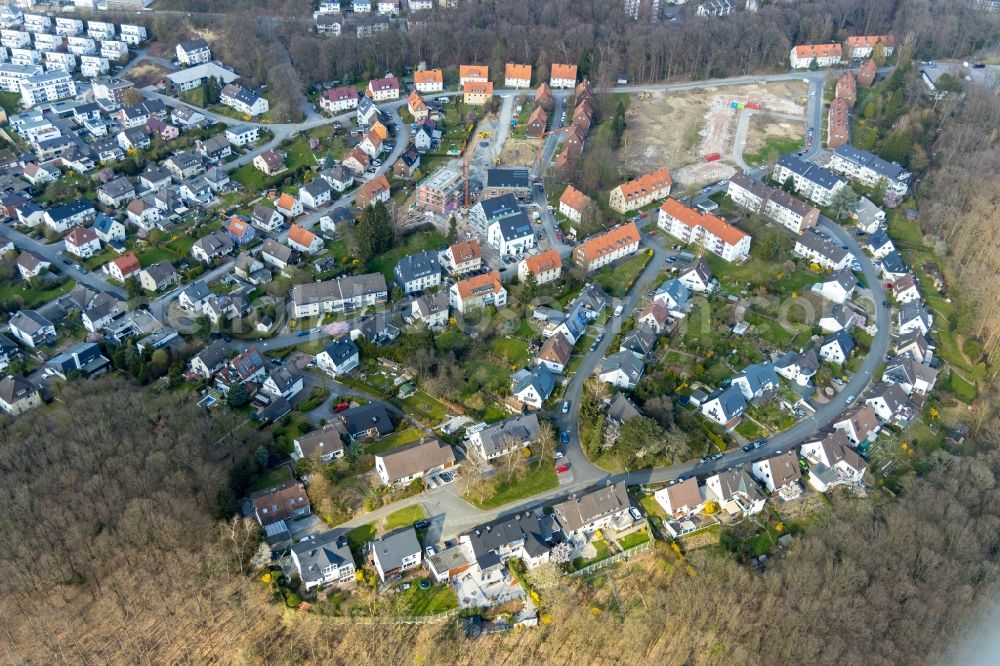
pixel 844 202
pixel 452 230
pixel 374 231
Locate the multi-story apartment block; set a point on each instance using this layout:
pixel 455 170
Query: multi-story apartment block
pixel 704 229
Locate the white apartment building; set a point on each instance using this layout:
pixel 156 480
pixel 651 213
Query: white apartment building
pixel 47 87
pixel 711 232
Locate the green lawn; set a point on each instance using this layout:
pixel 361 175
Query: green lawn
pixel 33 298
pixel 154 255
pixel 359 536
pixel 541 478
pixel 297 155
pixel 395 440
pixel 273 477
pixel 404 517
pixel 634 539
pixel 513 349
pixel 424 407
pixel 422 240
pixel 652 507
pixel 774 148
pixel 11 102
pixel 436 599
pixel 618 279
pixel 603 553
pixel 962 389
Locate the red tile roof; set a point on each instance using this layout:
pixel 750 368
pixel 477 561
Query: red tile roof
pixel 692 218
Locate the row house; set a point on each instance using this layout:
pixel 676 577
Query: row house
pixel 517 76
pixel 607 247
pixel 428 80
pixel 477 292
pixel 869 169
pixel 814 182
pixel 824 55
pixel 641 192
pixel 862 46
pixel 344 294
pixel 772 203
pixel 338 100
pixel 544 266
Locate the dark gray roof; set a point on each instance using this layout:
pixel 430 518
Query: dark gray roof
pixel 362 419
pixel 194 44
pixel 416 266
pixel 530 529
pixel 871 161
pixel 622 409
pixel 731 401
pixel 508 178
pixel 515 226
pixel 392 548
pixel 822 245
pixel 497 207
pixel 639 340
pixel 340 349
pixel 816 174
pixel 14 388
pixel 214 355
pixel 318 552
pixel 581 510
pixel 841 338
pixel 524 429
pixel 626 362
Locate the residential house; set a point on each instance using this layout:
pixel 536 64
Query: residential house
pixel 395 552
pixel 375 190
pixel 157 178
pixel 60 218
pixel 424 136
pixel 477 292
pixel 31 328
pixel 473 74
pixel 372 144
pixel 315 194
pixel 583 514
pixel 906 289
pixel 641 192
pixel 735 492
pixel 622 369
pixel 503 438
pixel 562 76
pixel 832 462
pixel 338 177
pixel 860 424
pixel 880 245
pixel 210 360
pixel 537 123
pixel 274 506
pixel 822 251
pixel 654 317
pixel 888 401
pixel 680 499
pixel 863 46
pixel 837 287
pixel 698 277
pixel 837 347
pixel 555 353
pixel 303 240
pixel 824 55
pixel 192 298
pixel 134 139
pixel 869 169
pixel 913 316
pixel 573 203
pixel 383 90
pixel 142 214
pixel 124 267
pixel 217 179
pixel 847 89
pixel 109 230
pixel 432 309
pixel 816 183
pixel 324 443
pixel 839 318
pixel 417 272
pixel 487 211
pixel 31 265
pixel 674 295
pixel 282 383
pixel 407 164
pixel 245 101
pixel 266 219
pixel 367 422
pixel 838 123
pixel 798 367
pixel 245 368
pixel 367 112
pixel 406 464
pixel 417 107
pixel 183 165
pixel 477 94
pixel 724 406
pixel 270 162
pixel 18 395
pixel 757 380
pixel 428 80
pixel 215 148
pixel 345 294
pixel 866 73
pixel 288 206
pixel 242 135
pixel 545 266
pixel 463 257
pixel 215 244
pixel 528 536
pixel 84 358
pixel 607 247
pixel 531 388
pixel 517 76
pixel 916 345
pixel 779 474
pixel 339 356
pixel 711 232
pixel 158 276
pixel 193 52
pixel 9 351
pixel 82 242
pixel 511 235
pixel 323 558
pixel 240 231
pixel 911 376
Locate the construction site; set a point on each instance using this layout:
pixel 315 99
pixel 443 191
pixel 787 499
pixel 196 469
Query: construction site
pixel 701 135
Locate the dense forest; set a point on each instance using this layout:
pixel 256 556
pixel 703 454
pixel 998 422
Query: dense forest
pixel 112 552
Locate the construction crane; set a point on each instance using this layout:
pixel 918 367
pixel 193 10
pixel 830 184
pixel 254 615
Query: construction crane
pixel 465 167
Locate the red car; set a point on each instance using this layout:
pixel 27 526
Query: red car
pixel 341 406
pixel 562 468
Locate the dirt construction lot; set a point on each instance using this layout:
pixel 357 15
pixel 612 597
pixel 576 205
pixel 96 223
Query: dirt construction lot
pixel 768 130
pixel 519 152
pixel 678 129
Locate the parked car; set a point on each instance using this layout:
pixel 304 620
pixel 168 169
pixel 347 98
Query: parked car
pixel 746 448
pixel 429 550
pixel 565 437
pixel 422 524
pixel 565 407
pixel 447 477
pixel 559 455
pixel 635 513
pixel 562 469
pixel 341 406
